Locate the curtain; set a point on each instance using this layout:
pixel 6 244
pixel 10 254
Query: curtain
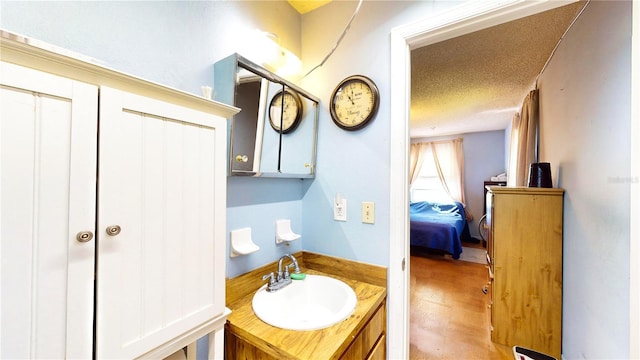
pixel 523 149
pixel 416 157
pixel 512 165
pixel 449 160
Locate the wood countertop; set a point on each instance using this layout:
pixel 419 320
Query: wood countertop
pixel 328 343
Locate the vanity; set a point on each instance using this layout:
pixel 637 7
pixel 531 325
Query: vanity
pixel 362 335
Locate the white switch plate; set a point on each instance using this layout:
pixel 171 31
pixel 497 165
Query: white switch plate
pixel 340 210
pixel 368 212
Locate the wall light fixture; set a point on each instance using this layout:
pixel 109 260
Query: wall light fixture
pixel 264 49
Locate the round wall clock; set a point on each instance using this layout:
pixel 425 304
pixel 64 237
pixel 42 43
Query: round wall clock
pixel 354 102
pixel 287 105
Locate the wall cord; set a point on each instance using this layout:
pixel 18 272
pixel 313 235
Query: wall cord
pixel 344 32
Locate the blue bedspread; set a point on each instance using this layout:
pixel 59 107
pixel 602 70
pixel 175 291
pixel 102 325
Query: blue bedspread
pixel 437 226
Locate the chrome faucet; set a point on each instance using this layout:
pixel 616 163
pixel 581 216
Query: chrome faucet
pixel 282 278
pixel 294 263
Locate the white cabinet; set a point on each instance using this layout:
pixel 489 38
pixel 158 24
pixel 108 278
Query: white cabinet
pixel 94 156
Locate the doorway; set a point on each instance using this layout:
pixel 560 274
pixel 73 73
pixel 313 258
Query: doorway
pixel 467 18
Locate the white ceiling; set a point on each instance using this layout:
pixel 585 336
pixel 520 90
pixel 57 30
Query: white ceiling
pixel 476 82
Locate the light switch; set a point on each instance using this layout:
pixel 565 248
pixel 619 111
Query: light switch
pixel 368 212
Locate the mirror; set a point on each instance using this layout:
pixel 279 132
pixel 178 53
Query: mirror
pixel 274 134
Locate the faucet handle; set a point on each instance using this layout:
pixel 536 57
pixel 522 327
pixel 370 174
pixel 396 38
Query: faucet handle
pixel 272 278
pixel 295 267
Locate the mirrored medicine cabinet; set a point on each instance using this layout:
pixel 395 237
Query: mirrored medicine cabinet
pixel 275 132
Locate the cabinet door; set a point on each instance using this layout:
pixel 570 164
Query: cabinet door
pixel 527 307
pixel 162 180
pixel 48 168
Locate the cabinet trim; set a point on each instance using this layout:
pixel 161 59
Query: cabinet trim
pixel 42 56
pixel 170 347
pixel 521 190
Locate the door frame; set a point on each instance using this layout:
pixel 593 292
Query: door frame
pixel 634 171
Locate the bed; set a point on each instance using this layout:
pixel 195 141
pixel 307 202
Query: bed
pixel 438 226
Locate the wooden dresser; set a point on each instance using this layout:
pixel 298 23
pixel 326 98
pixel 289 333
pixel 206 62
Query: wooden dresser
pixel 525 263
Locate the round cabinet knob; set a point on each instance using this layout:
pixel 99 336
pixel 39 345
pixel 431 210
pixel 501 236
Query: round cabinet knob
pixel 84 236
pixel 113 230
pixel 242 158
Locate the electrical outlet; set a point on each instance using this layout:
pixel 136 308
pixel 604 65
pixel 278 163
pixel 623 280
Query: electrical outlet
pixel 340 209
pixel 368 212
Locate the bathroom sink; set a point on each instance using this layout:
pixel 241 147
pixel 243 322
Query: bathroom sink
pixel 314 303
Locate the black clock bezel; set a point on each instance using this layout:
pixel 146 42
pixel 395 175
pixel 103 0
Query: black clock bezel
pixel 296 121
pixel 374 110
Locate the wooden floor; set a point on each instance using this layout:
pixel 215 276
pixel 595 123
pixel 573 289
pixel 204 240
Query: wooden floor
pixel 449 317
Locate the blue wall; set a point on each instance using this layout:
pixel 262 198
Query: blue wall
pixel 258 203
pixel 356 163
pixel 484 157
pixel 174 43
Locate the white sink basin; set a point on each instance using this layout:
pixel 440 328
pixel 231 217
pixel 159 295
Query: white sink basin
pixel 314 303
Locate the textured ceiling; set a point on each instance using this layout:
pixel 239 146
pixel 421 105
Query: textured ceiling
pixel 476 82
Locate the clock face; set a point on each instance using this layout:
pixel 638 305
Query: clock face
pixel 354 102
pixel 285 105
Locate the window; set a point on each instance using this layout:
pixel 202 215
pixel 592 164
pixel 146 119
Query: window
pixel 428 187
